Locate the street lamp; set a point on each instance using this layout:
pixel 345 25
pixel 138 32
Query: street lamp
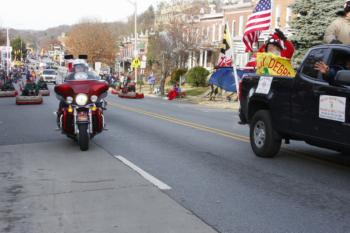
pixel 135 34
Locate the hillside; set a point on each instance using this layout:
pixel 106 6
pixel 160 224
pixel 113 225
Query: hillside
pixel 118 28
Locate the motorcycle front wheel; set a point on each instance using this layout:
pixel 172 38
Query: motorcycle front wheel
pixel 83 138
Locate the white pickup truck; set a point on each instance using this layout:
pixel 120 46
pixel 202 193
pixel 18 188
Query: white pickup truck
pixel 49 75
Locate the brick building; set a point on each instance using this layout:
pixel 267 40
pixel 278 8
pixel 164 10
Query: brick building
pixel 127 49
pixel 236 16
pixel 210 33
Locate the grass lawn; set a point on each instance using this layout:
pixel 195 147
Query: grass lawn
pixel 196 91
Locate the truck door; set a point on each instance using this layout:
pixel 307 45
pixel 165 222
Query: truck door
pixel 304 101
pixel 333 122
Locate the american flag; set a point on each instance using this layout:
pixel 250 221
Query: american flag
pixel 259 21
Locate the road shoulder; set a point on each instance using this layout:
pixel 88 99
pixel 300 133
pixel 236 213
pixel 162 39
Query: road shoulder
pixel 53 187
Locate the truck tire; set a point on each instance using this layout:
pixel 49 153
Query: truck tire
pixel 264 140
pixel 83 138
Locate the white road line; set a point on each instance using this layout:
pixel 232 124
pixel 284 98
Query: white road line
pixel 161 185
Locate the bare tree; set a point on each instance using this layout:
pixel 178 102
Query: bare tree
pixel 184 34
pixel 93 39
pixel 49 43
pixel 2 37
pixel 183 28
pixel 161 55
pixel 169 49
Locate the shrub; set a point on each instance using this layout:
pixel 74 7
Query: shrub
pixel 197 76
pixel 176 74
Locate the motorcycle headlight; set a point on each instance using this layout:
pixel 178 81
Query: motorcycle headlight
pixel 81 99
pixel 69 100
pixel 94 98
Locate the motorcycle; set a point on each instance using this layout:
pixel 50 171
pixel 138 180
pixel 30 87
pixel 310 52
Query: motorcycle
pixel 80 115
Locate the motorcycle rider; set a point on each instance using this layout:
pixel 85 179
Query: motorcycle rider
pixel 30 89
pixel 42 84
pixel 78 66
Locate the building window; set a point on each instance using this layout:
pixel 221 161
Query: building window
pixel 208 33
pixel 214 36
pixel 233 29
pixel 241 25
pixel 197 35
pixel 278 16
pixel 288 16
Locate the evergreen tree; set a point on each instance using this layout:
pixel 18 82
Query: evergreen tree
pixel 18 49
pixel 312 19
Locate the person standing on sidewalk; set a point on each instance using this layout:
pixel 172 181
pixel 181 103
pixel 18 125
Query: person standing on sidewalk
pixel 338 32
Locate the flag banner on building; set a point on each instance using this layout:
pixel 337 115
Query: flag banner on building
pixel 225 58
pixel 271 64
pixel 258 21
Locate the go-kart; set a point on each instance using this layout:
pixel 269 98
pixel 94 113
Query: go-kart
pixel 30 95
pixel 43 88
pixel 129 92
pixel 176 93
pixel 8 90
pixel 115 88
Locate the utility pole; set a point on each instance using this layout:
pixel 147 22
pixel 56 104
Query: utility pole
pixel 135 34
pixel 136 52
pixel 7 53
pixel 21 50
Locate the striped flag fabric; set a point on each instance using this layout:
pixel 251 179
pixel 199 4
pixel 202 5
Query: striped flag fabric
pixel 258 21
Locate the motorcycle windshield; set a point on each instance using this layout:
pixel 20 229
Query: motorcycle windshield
pixel 87 86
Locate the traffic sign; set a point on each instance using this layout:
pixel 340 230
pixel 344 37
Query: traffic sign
pixel 136 63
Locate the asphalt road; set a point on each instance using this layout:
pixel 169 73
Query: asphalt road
pixel 205 157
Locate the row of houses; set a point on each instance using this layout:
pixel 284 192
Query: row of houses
pixel 208 26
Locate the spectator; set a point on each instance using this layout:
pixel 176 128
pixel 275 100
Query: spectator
pixel 338 32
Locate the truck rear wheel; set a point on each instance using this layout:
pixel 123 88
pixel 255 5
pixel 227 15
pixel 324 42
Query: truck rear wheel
pixel 264 140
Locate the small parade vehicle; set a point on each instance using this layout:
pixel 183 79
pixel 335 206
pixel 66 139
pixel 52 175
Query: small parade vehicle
pixel 129 92
pixel 30 95
pixel 43 88
pixel 8 90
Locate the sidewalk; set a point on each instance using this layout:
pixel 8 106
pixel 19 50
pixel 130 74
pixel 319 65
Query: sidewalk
pixel 234 105
pixel 53 187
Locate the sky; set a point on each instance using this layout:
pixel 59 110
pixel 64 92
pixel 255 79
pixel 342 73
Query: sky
pixel 43 14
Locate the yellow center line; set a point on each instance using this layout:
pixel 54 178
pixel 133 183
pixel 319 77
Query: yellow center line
pixel 220 132
pixel 184 123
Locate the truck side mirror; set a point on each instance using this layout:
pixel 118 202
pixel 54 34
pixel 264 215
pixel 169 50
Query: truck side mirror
pixel 342 78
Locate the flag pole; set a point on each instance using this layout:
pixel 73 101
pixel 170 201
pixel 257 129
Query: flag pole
pixel 7 53
pixel 237 84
